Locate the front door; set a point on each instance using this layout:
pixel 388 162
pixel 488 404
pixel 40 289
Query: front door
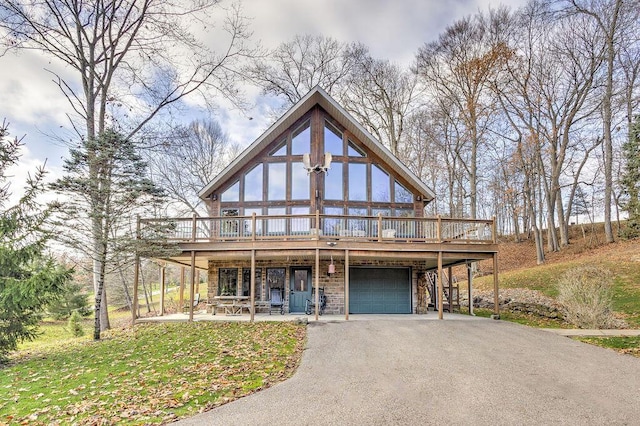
pixel 299 288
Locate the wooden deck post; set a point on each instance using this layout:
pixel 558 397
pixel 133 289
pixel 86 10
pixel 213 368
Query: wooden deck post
pixel 450 279
pixel 253 282
pixel 181 292
pixel 136 276
pixel 193 285
pixel 470 287
pixel 379 227
pixel 440 289
pixel 163 287
pixel 317 281
pixel 346 285
pixel 496 300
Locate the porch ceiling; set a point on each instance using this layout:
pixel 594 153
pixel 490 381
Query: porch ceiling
pixel 453 257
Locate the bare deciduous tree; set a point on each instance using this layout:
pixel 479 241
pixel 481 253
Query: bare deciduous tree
pixel 131 59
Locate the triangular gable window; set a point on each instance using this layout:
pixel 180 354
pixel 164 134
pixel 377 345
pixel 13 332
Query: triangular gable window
pixel 332 140
pixel 280 150
pixel 353 151
pixel 402 194
pixel 232 193
pixel 301 140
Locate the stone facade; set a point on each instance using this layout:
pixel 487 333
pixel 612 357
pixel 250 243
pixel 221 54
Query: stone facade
pixel 333 284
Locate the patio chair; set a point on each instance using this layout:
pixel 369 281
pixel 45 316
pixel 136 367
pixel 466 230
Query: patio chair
pixel 196 301
pixel 276 300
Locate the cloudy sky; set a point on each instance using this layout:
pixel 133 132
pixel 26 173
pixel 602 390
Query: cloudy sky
pixel 392 29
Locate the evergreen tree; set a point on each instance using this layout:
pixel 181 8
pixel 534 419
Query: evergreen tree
pixel 29 278
pixel 105 185
pixel 631 180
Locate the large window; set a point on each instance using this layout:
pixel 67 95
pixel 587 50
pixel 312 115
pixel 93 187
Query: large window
pixel 333 183
pixel 332 140
pixel 232 193
pixel 333 226
pixel 300 225
pixel 277 181
pixel 276 226
pixel 275 279
pixel 402 194
pixel 228 282
pixel 301 140
pixel 380 185
pixel 247 222
pixel 253 184
pixel 358 182
pixel 299 182
pixel 246 283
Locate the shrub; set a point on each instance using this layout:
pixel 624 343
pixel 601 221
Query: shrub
pixel 75 324
pixel 585 293
pixel 72 299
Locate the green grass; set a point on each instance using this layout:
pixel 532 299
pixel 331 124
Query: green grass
pixel 522 318
pixel 623 344
pixel 544 278
pixel 152 373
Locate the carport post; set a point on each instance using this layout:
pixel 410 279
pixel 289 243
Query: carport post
pixel 253 282
pixel 440 292
pixel 346 285
pixel 496 301
pixel 163 287
pixel 317 280
pixel 193 284
pixel 470 288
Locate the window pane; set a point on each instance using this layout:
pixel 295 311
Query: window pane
pixel 357 227
pixel 230 227
pixel 380 185
pixel 275 279
pixel 300 280
pixel 300 182
pixel 301 140
pixel 276 226
pixel 247 222
pixel 333 183
pixel 358 182
pixel 228 282
pixel 300 225
pixel 253 184
pixel 332 140
pixel 277 181
pixel 281 150
pixel 333 226
pixel 402 194
pixel 354 151
pixel 232 193
pixel 246 283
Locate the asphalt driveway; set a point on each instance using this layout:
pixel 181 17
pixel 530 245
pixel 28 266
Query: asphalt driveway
pixel 444 372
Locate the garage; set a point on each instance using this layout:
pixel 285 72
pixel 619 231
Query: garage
pixel 380 290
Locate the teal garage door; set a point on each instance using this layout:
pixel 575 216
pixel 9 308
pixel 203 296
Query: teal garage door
pixel 379 290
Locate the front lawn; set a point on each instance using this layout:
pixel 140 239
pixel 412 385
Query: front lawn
pixel 152 373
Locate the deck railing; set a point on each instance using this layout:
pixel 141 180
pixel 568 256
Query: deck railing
pixel 319 226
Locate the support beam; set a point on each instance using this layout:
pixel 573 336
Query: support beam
pixel 496 300
pixel 193 285
pixel 450 279
pixel 346 285
pixel 253 283
pixel 317 282
pixel 163 287
pixel 440 289
pixel 136 278
pixel 470 287
pixel 181 293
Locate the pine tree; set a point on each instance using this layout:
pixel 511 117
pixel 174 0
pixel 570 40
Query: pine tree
pixel 631 180
pixel 104 186
pixel 29 278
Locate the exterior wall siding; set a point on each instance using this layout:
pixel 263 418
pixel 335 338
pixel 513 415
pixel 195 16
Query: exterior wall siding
pixel 333 285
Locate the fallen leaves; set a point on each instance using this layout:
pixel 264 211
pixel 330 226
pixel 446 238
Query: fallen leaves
pixel 157 374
